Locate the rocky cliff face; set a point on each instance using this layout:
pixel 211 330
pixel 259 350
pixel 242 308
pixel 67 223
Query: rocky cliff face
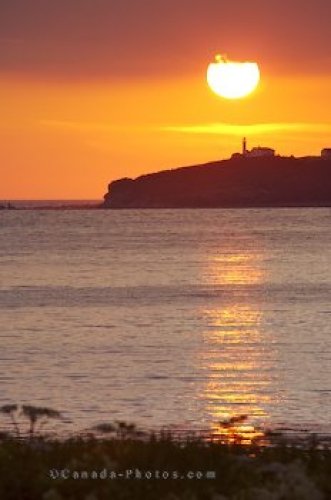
pixel 239 182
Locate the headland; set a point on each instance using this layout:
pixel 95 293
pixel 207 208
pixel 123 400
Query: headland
pixel 256 178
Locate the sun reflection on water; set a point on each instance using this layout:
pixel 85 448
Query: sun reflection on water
pixel 235 269
pixel 236 356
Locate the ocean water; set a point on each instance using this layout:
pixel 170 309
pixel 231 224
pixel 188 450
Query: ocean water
pixel 168 317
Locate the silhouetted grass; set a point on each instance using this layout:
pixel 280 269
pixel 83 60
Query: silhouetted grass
pixel 280 472
pixel 88 467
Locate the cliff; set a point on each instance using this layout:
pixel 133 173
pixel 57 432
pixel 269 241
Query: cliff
pixel 238 182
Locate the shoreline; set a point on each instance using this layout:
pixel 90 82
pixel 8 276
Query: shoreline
pixel 222 207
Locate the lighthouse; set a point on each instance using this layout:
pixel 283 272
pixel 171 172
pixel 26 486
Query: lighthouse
pixel 256 152
pixel 244 151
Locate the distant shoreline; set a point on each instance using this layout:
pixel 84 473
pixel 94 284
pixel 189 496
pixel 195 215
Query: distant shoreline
pixel 100 207
pixel 49 205
pixel 223 207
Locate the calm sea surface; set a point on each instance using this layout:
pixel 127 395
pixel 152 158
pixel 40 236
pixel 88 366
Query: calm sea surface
pixel 182 317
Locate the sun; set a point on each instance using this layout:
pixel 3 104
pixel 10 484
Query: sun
pixel 232 79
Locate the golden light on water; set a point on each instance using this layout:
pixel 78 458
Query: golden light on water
pixel 237 384
pixel 236 269
pixel 236 433
pixel 232 79
pixel 236 393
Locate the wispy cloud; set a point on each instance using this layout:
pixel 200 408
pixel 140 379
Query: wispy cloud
pixel 225 129
pixel 249 129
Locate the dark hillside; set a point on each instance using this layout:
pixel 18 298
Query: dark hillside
pixel 238 182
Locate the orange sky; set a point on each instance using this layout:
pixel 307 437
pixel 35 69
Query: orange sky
pixel 67 130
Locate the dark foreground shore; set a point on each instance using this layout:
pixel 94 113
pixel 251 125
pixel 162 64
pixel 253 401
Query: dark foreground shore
pixel 161 468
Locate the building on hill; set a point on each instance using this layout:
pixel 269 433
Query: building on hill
pixel 326 153
pixel 260 151
pixel 256 152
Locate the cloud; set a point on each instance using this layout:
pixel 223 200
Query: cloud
pixel 230 129
pixel 224 129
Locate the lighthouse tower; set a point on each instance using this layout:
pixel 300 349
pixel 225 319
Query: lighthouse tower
pixel 244 150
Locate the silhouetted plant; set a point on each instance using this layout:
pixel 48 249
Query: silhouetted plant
pixel 231 430
pixel 104 428
pixel 37 414
pixel 120 429
pixel 125 430
pixel 4 435
pixel 11 411
pixel 231 422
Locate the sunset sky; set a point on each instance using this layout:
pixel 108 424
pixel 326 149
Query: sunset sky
pixel 94 90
